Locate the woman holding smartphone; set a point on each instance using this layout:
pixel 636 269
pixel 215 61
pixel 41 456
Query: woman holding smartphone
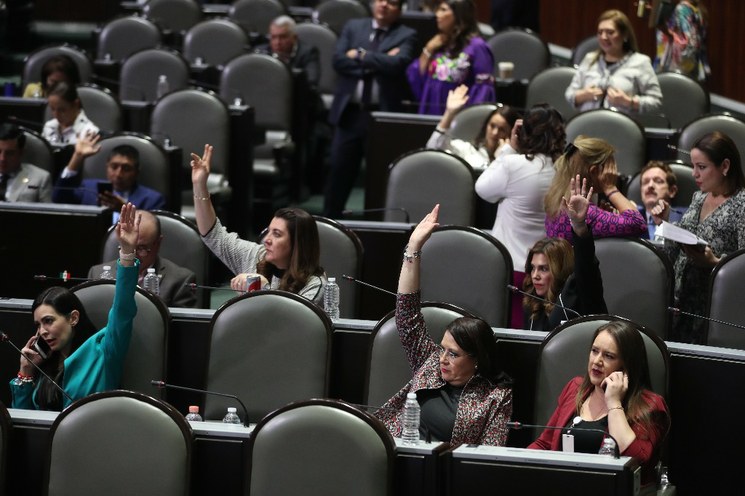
pixel 614 396
pixel 66 345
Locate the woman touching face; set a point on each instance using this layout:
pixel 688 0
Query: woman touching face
pixel 54 328
pixel 445 18
pixel 604 358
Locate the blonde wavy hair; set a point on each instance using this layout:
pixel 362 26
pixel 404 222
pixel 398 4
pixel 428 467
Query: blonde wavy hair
pixel 578 158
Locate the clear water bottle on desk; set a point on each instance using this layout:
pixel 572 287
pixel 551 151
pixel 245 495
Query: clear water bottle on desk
pixel 608 447
pixel 193 414
pixel 106 273
pixel 412 412
pixel 331 299
pixel 162 88
pixel 231 417
pixel 152 282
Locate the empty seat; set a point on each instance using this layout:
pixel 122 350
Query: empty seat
pixel 141 71
pixel 522 47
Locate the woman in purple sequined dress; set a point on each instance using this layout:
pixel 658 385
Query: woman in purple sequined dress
pixel 455 55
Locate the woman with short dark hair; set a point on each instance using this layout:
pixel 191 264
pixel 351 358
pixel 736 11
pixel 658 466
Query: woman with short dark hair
pixel 463 393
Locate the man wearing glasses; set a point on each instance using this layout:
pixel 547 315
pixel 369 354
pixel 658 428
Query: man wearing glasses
pixel 370 59
pixel 174 279
pixel 122 169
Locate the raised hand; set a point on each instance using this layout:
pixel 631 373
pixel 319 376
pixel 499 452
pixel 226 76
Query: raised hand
pixel 457 98
pixel 87 144
pixel 128 228
pixel 424 229
pixel 578 203
pixel 660 212
pixel 200 169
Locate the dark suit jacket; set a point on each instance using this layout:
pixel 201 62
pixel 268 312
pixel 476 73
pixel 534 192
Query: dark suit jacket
pixel 306 58
pixel 172 279
pixel 389 71
pixel 85 192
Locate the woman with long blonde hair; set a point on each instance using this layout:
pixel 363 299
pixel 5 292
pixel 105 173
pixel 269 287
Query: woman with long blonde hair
pixel 614 214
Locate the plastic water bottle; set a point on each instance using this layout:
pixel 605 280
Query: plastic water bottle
pixel 412 412
pixel 231 417
pixel 152 282
pixel 162 87
pixel 193 414
pixel 106 273
pixel 331 299
pixel 608 447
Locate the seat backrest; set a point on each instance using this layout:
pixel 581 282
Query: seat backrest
pixel 584 47
pixel 678 88
pixel 268 348
pixel 336 13
pixel 469 121
pixel 5 428
pixel 124 36
pixel 38 151
pixel 101 106
pixel 618 129
pixel 291 451
pixel 637 282
pixel 468 268
pixel 387 367
pixel 522 47
pixel 155 170
pixel 215 42
pixel 255 16
pixel 173 116
pixel 341 254
pixel 729 125
pixel 140 72
pixel 449 183
pixel 324 39
pixel 684 180
pixel 548 86
pixel 33 63
pixel 176 15
pixel 148 349
pixel 565 352
pixel 265 84
pixel 119 442
pixel 725 300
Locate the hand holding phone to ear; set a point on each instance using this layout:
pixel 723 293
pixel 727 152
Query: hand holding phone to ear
pixel 615 386
pixel 30 354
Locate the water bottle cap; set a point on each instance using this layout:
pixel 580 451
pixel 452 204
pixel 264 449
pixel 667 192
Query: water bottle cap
pixel 151 270
pixel 193 409
pixel 410 396
pixel 332 279
pixel 231 409
pixel 162 77
pixel 107 267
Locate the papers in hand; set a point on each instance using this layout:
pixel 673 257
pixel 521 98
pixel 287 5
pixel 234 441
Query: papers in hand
pixel 679 235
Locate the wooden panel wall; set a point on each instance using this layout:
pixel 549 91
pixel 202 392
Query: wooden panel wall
pixel 566 22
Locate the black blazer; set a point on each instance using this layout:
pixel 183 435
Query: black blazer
pixel 306 58
pixel 389 70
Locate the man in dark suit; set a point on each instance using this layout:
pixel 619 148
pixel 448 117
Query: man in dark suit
pixel 19 181
pixel 658 183
pixel 122 170
pixel 284 44
pixel 370 59
pixel 174 279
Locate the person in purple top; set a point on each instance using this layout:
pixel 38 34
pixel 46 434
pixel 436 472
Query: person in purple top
pixel 455 55
pixel 612 215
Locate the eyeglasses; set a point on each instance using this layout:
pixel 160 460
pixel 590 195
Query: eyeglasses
pixel 450 355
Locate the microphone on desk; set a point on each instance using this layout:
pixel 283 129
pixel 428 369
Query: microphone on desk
pixel 63 276
pixel 375 210
pixel 4 337
pixel 673 147
pixel 678 311
pixel 515 289
pixel 519 425
pixel 194 286
pixel 163 384
pixel 24 122
pixel 350 278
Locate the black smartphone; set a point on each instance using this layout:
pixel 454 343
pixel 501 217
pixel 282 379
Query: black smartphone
pixel 42 348
pixel 104 186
